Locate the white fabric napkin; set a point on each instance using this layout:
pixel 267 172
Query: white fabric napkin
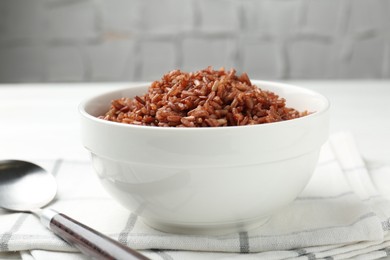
pixel 339 215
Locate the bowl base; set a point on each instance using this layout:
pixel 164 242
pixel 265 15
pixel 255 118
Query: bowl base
pixel 207 229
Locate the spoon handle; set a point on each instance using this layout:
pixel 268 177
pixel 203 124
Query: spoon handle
pixel 90 242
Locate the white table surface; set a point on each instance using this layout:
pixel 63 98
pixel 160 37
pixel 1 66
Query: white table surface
pixel 41 121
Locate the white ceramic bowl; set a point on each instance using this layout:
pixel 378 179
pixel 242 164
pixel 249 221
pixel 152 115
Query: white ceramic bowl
pixel 206 180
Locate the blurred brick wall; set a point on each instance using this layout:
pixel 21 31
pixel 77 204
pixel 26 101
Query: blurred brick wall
pixel 121 40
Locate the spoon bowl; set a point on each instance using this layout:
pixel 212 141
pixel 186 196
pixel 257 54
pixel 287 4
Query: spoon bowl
pixel 25 186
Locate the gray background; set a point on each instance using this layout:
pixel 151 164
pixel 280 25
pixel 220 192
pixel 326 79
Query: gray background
pixel 122 40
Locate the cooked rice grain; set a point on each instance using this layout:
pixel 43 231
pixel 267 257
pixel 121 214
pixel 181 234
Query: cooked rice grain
pixel 206 98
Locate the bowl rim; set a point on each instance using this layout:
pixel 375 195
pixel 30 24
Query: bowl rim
pixel 85 114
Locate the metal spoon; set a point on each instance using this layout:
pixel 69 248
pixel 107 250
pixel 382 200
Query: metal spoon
pixel 27 187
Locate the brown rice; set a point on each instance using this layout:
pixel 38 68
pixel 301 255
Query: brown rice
pixel 206 98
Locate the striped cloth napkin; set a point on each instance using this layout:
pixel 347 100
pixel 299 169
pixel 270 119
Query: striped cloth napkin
pixel 340 215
